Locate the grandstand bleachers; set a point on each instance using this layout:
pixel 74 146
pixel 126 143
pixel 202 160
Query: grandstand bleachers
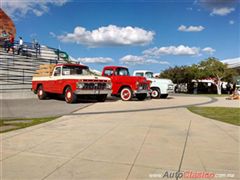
pixel 16 70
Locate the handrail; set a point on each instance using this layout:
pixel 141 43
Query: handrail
pixel 18 69
pixel 36 50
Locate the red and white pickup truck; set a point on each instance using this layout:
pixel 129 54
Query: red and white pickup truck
pixel 126 86
pixel 70 80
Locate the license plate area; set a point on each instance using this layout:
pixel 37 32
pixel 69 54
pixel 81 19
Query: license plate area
pixel 96 91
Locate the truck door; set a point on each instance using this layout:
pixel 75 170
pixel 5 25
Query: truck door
pixel 120 76
pixel 57 79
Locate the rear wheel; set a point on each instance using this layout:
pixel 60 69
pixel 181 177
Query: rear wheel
pixel 41 93
pixel 155 93
pixel 69 96
pixel 126 94
pixel 141 97
pixel 101 98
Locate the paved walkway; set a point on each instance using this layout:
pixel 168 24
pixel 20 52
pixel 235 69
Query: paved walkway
pixel 123 140
pixel 34 108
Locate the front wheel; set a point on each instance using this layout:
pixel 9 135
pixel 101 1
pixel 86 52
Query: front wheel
pixel 41 93
pixel 70 97
pixel 101 98
pixel 126 94
pixel 155 93
pixel 141 97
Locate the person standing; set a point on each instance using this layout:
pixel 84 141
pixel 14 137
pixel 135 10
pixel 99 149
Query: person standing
pixel 228 88
pixel 37 47
pixel 11 43
pixel 195 88
pixel 20 45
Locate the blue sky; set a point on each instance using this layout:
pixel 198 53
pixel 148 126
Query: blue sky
pixel 139 34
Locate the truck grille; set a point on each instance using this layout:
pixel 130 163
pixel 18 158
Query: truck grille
pixel 170 87
pixel 144 86
pixel 89 86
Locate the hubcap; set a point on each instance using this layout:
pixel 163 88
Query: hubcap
pixel 40 92
pixel 154 93
pixel 126 94
pixel 69 95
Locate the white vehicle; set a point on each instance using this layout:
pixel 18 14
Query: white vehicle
pixel 159 87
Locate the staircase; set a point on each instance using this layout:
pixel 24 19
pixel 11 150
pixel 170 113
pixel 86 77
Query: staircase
pixel 16 71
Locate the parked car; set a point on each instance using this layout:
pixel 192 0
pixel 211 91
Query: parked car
pixel 70 80
pixel 159 87
pixel 126 86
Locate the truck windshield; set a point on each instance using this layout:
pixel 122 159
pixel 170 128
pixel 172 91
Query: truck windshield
pixel 149 75
pixel 75 70
pixel 139 74
pixel 122 72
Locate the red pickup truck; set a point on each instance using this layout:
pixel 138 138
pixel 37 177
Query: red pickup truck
pixel 70 80
pixel 126 86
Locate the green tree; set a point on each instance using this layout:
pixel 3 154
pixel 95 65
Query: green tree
pixel 209 68
pixel 181 74
pixel 214 69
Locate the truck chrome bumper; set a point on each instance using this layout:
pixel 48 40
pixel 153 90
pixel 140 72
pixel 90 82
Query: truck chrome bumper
pixel 141 92
pixel 170 91
pixel 92 92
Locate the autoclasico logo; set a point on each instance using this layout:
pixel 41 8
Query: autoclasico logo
pixel 190 175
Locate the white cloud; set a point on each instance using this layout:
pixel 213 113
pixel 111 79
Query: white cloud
pixel 52 34
pixel 133 60
pixel 208 50
pixel 222 11
pixel 109 36
pixel 231 22
pixel 190 28
pixel 172 50
pixel 97 60
pixel 154 61
pixel 16 9
pixel 130 59
pixel 72 59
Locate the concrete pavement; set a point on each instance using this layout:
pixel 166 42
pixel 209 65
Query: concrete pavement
pixel 121 140
pixel 34 108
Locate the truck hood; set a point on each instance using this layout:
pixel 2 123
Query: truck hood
pixel 86 77
pixel 167 81
pixel 73 77
pixel 137 78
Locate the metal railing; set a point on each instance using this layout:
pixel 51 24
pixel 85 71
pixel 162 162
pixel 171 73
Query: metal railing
pixel 16 71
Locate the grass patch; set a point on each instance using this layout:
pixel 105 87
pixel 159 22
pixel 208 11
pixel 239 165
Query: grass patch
pixel 20 123
pixel 224 114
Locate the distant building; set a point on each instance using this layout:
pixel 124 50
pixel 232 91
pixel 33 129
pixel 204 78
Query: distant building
pixel 233 63
pixel 6 23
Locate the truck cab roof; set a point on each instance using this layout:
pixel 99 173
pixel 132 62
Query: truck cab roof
pixel 144 71
pixel 114 67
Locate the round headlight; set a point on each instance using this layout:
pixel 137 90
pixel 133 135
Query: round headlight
pixel 109 85
pixel 80 85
